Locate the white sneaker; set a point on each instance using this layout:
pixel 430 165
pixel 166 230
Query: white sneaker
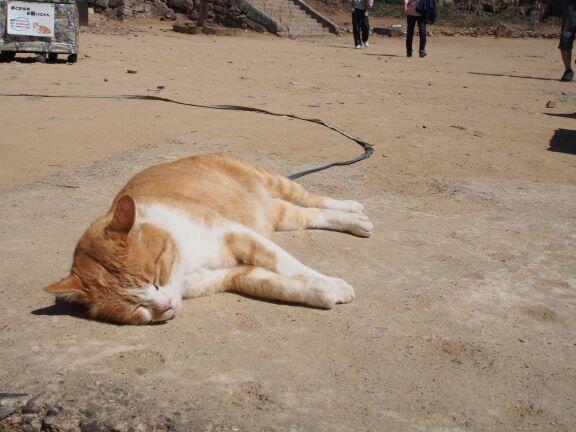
pixel 358 46
pixel 366 44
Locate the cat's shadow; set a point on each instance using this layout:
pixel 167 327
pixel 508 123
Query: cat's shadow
pixel 75 310
pixel 63 308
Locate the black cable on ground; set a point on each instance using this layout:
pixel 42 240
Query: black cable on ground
pixel 368 148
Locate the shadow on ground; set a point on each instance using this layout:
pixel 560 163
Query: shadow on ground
pixel 513 76
pixel 63 308
pixel 382 55
pixel 563 141
pixel 567 115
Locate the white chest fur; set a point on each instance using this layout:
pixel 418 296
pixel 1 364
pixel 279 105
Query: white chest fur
pixel 199 246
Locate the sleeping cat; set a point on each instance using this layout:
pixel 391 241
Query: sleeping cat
pixel 198 226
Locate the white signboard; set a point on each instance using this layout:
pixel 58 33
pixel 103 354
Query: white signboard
pixel 30 19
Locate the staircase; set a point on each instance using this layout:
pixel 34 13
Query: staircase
pixel 295 20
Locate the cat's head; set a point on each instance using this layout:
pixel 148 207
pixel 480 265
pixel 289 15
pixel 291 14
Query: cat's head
pixel 122 270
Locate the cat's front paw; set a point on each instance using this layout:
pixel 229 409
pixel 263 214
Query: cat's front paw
pixel 327 293
pixel 342 289
pixel 359 224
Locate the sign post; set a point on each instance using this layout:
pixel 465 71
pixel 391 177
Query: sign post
pixel 82 12
pixel 30 19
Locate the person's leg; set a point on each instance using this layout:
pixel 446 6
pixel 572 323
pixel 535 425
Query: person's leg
pixel 567 35
pixel 365 28
pixel 356 27
pixel 422 34
pixel 410 23
pixel 567 58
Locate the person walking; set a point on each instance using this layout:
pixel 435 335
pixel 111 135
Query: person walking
pixel 418 12
pixel 360 24
pixel 567 36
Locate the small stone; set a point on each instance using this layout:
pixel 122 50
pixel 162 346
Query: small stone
pixel 31 407
pixel 90 426
pixel 52 412
pixel 132 71
pixel 6 412
pixel 141 371
pixel 26 419
pixel 552 104
pixel 169 15
pixel 92 409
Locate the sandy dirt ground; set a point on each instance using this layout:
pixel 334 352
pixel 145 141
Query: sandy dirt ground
pixel 465 311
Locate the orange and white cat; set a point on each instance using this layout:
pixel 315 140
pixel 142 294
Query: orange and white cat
pixel 199 226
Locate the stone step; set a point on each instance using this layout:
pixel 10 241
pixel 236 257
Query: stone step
pixel 303 35
pixel 305 28
pixel 290 17
pixel 286 3
pixel 302 24
pixel 296 12
pixel 279 8
pixel 276 6
pixel 296 21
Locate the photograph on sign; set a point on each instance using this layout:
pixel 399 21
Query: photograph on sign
pixel 30 19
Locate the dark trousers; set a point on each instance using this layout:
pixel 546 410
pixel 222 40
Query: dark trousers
pixel 412 20
pixel 360 24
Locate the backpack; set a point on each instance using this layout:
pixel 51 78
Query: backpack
pixel 427 8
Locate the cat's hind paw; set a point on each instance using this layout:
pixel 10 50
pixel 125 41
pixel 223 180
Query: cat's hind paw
pixel 349 206
pixel 352 206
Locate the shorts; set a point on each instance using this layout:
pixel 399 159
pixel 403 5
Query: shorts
pixel 568 32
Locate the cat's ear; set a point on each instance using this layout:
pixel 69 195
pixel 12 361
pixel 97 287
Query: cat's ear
pixel 124 215
pixel 71 285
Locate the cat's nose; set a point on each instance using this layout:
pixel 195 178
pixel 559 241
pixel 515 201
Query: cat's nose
pixel 165 307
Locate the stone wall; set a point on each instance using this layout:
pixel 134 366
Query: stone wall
pixel 123 9
pixel 229 13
